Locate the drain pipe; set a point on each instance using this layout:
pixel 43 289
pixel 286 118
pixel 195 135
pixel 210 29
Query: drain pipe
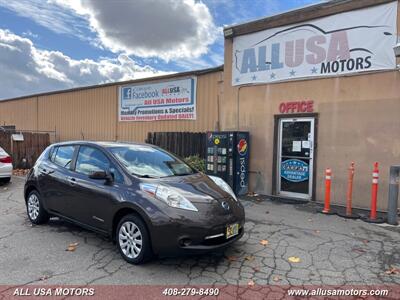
pixel 393 195
pixel 238 106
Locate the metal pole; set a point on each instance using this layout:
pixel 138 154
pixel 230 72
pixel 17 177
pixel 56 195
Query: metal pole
pixel 393 195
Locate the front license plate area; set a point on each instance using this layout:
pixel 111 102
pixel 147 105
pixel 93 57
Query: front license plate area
pixel 232 230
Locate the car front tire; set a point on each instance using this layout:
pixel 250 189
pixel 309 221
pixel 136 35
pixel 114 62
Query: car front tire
pixel 35 210
pixel 133 240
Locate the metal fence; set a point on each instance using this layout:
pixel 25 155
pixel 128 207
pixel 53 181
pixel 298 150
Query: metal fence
pixel 183 144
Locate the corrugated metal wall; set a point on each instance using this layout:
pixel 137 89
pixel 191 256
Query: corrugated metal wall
pixel 207 113
pixel 92 114
pixel 22 112
pixel 85 114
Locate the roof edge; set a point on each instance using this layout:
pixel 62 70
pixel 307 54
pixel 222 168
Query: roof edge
pixel 302 14
pixel 160 77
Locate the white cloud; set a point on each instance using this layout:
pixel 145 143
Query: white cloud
pixel 150 28
pixel 50 16
pixel 26 69
pixel 168 29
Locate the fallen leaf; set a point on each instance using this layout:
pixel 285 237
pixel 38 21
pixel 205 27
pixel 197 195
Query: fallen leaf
pixel 231 258
pixel 392 271
pixel 249 258
pixel 294 259
pixel 276 278
pixel 359 250
pixel 72 247
pixel 256 269
pixel 264 242
pixel 251 283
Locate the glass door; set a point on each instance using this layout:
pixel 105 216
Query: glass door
pixel 295 157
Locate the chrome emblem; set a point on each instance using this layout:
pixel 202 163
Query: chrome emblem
pixel 225 205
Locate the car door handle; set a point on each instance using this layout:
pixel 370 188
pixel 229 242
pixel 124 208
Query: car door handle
pixel 71 180
pixel 45 171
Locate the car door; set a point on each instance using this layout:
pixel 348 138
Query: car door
pixel 94 199
pixel 53 181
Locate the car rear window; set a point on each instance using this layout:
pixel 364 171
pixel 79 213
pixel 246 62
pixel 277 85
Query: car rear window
pixel 62 155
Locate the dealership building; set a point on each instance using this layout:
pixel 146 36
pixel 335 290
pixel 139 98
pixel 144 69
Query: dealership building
pixel 316 88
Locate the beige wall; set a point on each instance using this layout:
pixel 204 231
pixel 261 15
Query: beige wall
pixel 208 88
pixel 92 114
pixel 359 120
pixel 22 112
pixel 85 114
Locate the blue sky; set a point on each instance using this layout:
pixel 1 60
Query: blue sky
pixel 55 44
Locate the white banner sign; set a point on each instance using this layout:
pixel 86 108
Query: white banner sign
pixel 169 100
pixel 349 42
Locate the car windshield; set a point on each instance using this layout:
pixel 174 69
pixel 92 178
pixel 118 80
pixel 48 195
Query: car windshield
pixel 147 161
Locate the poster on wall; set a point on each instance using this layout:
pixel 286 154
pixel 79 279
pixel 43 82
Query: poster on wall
pixel 295 170
pixel 168 100
pixel 348 42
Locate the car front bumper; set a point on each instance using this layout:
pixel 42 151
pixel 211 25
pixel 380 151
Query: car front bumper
pixel 185 234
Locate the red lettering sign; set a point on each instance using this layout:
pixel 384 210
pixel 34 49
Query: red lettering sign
pixel 306 106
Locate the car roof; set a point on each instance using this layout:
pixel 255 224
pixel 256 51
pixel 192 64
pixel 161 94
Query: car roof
pixel 101 143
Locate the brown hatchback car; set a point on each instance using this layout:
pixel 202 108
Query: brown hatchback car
pixel 146 199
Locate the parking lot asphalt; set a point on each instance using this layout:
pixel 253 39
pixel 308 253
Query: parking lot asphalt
pixel 329 250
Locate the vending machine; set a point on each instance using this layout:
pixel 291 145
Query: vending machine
pixel 228 158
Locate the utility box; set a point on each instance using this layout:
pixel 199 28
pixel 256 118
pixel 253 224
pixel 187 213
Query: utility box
pixel 228 158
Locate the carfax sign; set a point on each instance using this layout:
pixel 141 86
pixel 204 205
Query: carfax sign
pixel 169 100
pixel 295 170
pixel 348 42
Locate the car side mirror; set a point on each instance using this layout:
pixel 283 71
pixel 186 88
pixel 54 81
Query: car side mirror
pixel 102 175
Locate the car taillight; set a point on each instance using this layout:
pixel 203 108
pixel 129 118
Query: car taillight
pixel 6 160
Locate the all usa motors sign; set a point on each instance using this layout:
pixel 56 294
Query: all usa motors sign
pixel 349 42
pixel 169 100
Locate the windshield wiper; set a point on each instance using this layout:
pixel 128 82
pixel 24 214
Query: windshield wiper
pixel 173 175
pixel 144 176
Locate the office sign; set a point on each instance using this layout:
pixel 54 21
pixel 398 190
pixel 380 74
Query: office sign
pixel 169 100
pixel 348 42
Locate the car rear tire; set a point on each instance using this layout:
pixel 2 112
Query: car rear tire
pixel 5 180
pixel 35 210
pixel 133 240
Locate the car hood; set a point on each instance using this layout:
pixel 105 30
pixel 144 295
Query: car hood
pixel 196 188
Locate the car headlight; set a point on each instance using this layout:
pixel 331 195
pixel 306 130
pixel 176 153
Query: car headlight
pixel 169 196
pixel 223 185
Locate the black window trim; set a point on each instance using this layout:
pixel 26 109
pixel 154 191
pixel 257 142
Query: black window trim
pixel 55 150
pixel 110 160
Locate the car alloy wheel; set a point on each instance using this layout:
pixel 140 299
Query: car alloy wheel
pixel 130 240
pixel 36 212
pixel 33 206
pixel 133 239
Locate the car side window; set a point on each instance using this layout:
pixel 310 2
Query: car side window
pixel 63 155
pixel 91 160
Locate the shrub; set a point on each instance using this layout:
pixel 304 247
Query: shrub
pixel 196 162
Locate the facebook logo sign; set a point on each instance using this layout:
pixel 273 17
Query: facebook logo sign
pixel 126 93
